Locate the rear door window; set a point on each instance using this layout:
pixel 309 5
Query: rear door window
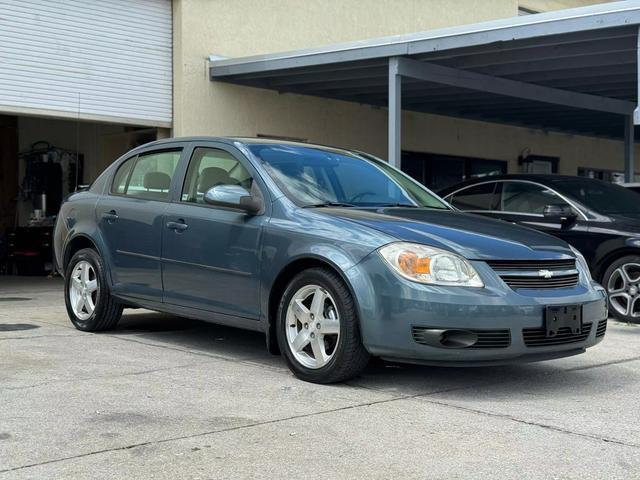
pixel 475 198
pixel 527 198
pixel 147 176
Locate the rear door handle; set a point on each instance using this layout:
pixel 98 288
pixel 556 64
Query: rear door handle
pixel 178 226
pixel 110 216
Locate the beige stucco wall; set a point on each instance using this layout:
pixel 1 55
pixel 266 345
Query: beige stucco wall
pixel 245 27
pixel 549 5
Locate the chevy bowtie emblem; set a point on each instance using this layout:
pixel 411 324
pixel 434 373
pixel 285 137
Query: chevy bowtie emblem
pixel 545 273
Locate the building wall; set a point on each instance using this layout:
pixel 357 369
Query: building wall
pixel 246 27
pixel 549 5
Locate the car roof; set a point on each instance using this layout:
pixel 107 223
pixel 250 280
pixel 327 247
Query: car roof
pixel 532 177
pixel 243 140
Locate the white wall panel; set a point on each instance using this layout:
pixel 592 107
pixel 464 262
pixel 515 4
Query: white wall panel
pixel 97 60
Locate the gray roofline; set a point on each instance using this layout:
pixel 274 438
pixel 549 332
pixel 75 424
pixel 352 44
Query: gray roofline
pixel 594 17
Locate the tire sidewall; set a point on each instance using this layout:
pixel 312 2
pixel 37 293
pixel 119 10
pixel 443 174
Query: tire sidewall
pixel 321 278
pixel 605 283
pixel 92 257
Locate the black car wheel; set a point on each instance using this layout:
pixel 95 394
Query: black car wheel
pixel 90 305
pixel 622 281
pixel 318 330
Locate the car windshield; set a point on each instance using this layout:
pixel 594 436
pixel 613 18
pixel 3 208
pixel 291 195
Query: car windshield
pixel 312 176
pixel 601 197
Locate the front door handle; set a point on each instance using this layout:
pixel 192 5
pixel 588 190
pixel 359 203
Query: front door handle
pixel 110 216
pixel 178 226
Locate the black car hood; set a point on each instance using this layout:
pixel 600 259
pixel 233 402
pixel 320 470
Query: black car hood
pixel 472 236
pixel 628 222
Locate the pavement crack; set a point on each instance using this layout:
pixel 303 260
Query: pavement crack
pixel 28 337
pixel 199 434
pixel 309 415
pixel 527 422
pixel 605 364
pixel 84 379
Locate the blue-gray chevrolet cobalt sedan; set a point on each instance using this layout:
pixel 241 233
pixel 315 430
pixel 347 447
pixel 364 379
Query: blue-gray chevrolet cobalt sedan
pixel 333 254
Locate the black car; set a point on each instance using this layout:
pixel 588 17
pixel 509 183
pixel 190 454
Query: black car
pixel 600 219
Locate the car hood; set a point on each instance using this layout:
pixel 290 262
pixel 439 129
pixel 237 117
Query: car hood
pixel 628 222
pixel 472 236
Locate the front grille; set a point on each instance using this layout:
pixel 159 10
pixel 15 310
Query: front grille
pixel 560 281
pixel 602 328
pixel 486 338
pixel 568 264
pixel 536 337
pixel 529 273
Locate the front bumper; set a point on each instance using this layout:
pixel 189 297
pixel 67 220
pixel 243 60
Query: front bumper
pixel 391 308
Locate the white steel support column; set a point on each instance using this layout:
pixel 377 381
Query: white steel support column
pixel 395 113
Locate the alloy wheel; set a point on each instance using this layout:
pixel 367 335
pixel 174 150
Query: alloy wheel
pixel 623 288
pixel 83 290
pixel 313 326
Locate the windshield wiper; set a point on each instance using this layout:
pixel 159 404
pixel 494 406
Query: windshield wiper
pixel 328 204
pixel 399 205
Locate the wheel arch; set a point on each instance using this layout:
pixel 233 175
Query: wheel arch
pixel 76 243
pixel 282 279
pixel 606 260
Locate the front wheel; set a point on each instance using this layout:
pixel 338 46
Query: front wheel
pixel 89 303
pixel 318 330
pixel 622 281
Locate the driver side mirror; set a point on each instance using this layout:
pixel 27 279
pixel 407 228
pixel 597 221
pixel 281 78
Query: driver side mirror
pixel 559 212
pixel 233 196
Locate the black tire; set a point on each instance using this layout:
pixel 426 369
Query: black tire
pixel 107 310
pixel 349 357
pixel 614 283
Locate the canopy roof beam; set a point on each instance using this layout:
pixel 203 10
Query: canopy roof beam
pixel 429 72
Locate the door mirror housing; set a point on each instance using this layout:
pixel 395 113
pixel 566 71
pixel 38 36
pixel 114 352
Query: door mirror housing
pixel 233 196
pixel 560 212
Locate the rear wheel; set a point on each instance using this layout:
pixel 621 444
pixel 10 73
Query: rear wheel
pixel 318 329
pixel 622 281
pixel 89 303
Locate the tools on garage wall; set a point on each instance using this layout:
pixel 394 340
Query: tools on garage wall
pixel 50 173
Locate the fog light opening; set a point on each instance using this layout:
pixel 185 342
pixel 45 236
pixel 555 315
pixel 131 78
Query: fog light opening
pixel 458 338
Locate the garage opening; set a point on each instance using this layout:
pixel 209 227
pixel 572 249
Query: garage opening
pixel 42 160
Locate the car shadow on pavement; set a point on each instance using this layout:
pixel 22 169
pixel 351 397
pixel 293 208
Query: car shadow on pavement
pixel 235 344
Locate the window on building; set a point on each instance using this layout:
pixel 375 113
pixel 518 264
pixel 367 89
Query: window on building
pixel 526 11
pixel 613 176
pixel 441 171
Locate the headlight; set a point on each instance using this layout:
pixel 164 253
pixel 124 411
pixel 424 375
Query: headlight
pixel 582 262
pixel 423 264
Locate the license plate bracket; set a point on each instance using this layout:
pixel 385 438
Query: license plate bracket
pixel 560 316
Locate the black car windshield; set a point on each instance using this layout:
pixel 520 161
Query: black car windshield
pixel 313 176
pixel 601 197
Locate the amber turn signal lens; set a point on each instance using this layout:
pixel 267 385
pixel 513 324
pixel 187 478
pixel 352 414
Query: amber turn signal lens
pixel 412 264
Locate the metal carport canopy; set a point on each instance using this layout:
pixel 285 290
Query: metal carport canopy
pixel 572 70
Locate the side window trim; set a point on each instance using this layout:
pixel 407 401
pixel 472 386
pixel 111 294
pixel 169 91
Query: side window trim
pixel 112 189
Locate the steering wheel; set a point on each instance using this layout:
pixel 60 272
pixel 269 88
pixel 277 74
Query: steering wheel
pixel 360 195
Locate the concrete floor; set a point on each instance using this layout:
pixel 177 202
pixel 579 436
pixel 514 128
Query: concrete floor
pixel 165 397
